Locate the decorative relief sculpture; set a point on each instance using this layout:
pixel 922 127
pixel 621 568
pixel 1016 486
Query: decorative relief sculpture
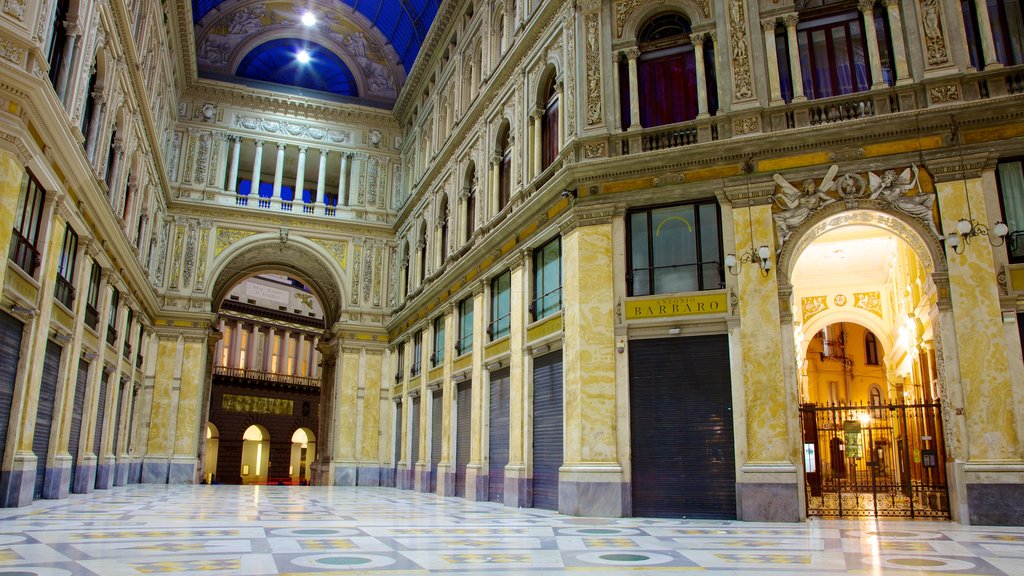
pixel 892 189
pixel 935 42
pixel 227 236
pixel 944 93
pixel 204 243
pixel 593 58
pixel 356 271
pixel 337 249
pixel 742 84
pixel 292 128
pixel 367 272
pixel 15 8
pixel 190 252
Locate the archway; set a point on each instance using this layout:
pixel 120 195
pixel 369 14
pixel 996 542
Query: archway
pixel 302 454
pixel 255 455
pixel 865 328
pixel 212 449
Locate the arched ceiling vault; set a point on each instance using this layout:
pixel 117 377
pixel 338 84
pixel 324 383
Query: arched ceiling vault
pixel 358 48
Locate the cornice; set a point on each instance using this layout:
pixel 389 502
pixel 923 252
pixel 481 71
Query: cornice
pixel 249 217
pixel 438 31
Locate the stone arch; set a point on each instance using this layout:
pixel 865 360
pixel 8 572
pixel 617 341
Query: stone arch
pixel 691 9
pixel 852 315
pixel 548 76
pixel 301 257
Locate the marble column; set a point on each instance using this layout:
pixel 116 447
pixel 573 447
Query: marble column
pixel 73 32
pixel 495 192
pixel 988 45
pixel 698 39
pixel 279 170
pixel 252 358
pixel 633 53
pixel 346 163
pixel 300 174
pixel 187 430
pixel 562 113
pixel 321 177
pixel 794 57
pixel 517 478
pixel 772 55
pixel 236 344
pixel 867 8
pixel 538 138
pixel 300 347
pixel 269 351
pixel 257 168
pixel 94 124
pixel 899 47
pixel 461 235
pixel 236 148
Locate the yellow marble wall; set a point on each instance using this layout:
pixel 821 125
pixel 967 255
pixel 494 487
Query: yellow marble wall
pixel 162 429
pixel 347 405
pixel 11 172
pixel 517 382
pixel 371 405
pixel 190 396
pixel 980 338
pixel 589 361
pixel 761 342
pixel 479 335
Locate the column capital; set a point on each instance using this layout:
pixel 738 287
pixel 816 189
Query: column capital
pixel 324 152
pixel 495 159
pixel 790 20
pixel 633 52
pixel 536 113
pixel 698 38
pixel 72 28
pixel 281 146
pixel 259 143
pixel 767 24
pixel 891 3
pixel 303 148
pixel 866 6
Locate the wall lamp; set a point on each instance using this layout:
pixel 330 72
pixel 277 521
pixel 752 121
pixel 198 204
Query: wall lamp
pixel 568 193
pixel 967 229
pixel 762 257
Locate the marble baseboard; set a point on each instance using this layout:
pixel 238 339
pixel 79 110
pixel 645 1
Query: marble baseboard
pixel 423 480
pixel 767 502
pixel 518 491
pixel 135 472
pixel 57 482
pixel 368 476
pixel 996 504
pixel 344 475
pixel 85 476
pixel 406 478
pixel 597 499
pixel 155 471
pixel 16 487
pixel 182 471
pixel 121 473
pixel 104 475
pixel 387 477
pixel 446 483
pixel 481 488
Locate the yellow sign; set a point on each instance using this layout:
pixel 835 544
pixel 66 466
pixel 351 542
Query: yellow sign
pixel 257 404
pixel 696 305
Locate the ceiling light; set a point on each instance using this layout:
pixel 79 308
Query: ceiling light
pixel 302 56
pixel 308 19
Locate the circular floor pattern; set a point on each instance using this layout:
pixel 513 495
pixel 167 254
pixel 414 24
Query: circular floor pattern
pixel 30 571
pixel 922 564
pixel 314 532
pixel 597 532
pixel 625 558
pixel 10 539
pixel 344 561
pixel 899 534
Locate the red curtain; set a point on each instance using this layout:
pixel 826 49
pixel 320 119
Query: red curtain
pixel 668 88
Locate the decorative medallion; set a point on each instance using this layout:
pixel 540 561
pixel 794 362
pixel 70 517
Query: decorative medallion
pixel 839 300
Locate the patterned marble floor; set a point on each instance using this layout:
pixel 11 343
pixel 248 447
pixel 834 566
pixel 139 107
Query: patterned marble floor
pixel 213 530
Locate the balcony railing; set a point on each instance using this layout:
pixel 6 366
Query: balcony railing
pixel 92 316
pixel 261 376
pixel 111 335
pixel 64 292
pixel 23 253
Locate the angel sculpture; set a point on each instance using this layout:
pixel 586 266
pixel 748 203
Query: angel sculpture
pixel 892 189
pixel 797 205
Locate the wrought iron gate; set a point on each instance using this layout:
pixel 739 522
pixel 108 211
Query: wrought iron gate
pixel 884 460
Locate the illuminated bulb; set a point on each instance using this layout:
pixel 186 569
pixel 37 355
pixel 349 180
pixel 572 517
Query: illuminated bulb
pixel 953 240
pixel 730 260
pixel 308 19
pixel 1000 229
pixel 302 57
pixel 764 252
pixel 964 227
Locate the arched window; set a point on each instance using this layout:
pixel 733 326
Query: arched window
pixel 469 212
pixel 871 349
pixel 422 247
pixel 549 125
pixel 442 230
pixel 504 167
pixel 833 49
pixel 667 66
pixel 404 288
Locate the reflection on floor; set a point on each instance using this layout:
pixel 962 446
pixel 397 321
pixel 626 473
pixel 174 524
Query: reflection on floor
pixel 250 530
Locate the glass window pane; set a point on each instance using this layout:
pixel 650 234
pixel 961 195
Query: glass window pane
pixel 822 65
pixel 1011 185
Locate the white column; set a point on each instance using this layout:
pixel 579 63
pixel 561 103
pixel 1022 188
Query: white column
pixel 616 81
pixel 236 344
pixel 94 124
pixel 279 170
pixel 634 89
pixel 697 39
pixel 988 45
pixel 794 58
pixel 321 177
pixel 463 217
pixel 236 148
pixel 268 354
pixel 257 167
pixel 538 137
pixel 219 353
pixel 771 51
pixel 346 161
pixel 562 107
pixel 300 174
pixel 116 149
pixel 252 359
pixel 300 352
pixel 899 48
pixel 867 7
pixel 314 358
pixel 73 32
pixel 495 184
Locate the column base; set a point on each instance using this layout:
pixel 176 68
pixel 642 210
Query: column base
pixel 593 491
pixel 121 471
pixel 343 473
pixel 387 477
pixel 445 480
pixel 990 492
pixel 182 470
pixel 18 484
pixel 368 476
pixel 476 478
pixel 105 473
pixel 135 471
pixel 155 469
pixel 406 477
pixel 85 475
pixel 767 502
pixel 518 488
pixel 57 483
pixel 422 478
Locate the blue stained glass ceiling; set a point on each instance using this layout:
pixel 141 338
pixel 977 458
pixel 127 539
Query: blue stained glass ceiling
pixel 403 22
pixel 275 61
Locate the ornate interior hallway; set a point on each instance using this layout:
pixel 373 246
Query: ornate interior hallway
pixel 180 530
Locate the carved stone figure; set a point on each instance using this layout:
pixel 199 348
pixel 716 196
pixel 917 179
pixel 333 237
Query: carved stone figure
pixel 797 204
pixel 892 187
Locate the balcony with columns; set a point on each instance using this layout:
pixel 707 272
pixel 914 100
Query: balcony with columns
pixel 259 353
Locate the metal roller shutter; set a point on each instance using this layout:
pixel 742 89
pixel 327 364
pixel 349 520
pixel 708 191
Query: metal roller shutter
pixel 463 434
pixel 683 463
pixel 74 441
pixel 398 438
pixel 415 432
pixel 44 413
pixel 548 433
pixel 10 351
pixel 117 415
pixel 497 438
pixel 101 408
pixel 436 415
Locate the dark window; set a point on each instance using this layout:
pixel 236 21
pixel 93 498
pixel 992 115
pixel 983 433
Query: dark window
pixel 64 290
pixel 27 222
pixel 437 358
pixel 833 54
pixel 443 231
pixel 974 49
pixel 675 249
pixel 470 213
pixel 465 326
pixel 115 300
pixel 547 279
pixel 417 353
pixel 90 103
pixel 109 174
pixel 1010 175
pixel 549 128
pixel 1007 30
pixel 92 297
pixel 870 349
pixel 127 353
pixel 58 38
pixel 505 179
pixel 501 306
pixel 668 66
pixel 401 362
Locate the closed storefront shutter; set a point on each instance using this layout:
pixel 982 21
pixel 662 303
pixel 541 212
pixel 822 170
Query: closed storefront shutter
pixel 100 412
pixel 436 414
pixel 74 441
pixel 44 413
pixel 497 438
pixel 415 433
pixel 398 437
pixel 548 433
pixel 463 434
pixel 683 455
pixel 10 351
